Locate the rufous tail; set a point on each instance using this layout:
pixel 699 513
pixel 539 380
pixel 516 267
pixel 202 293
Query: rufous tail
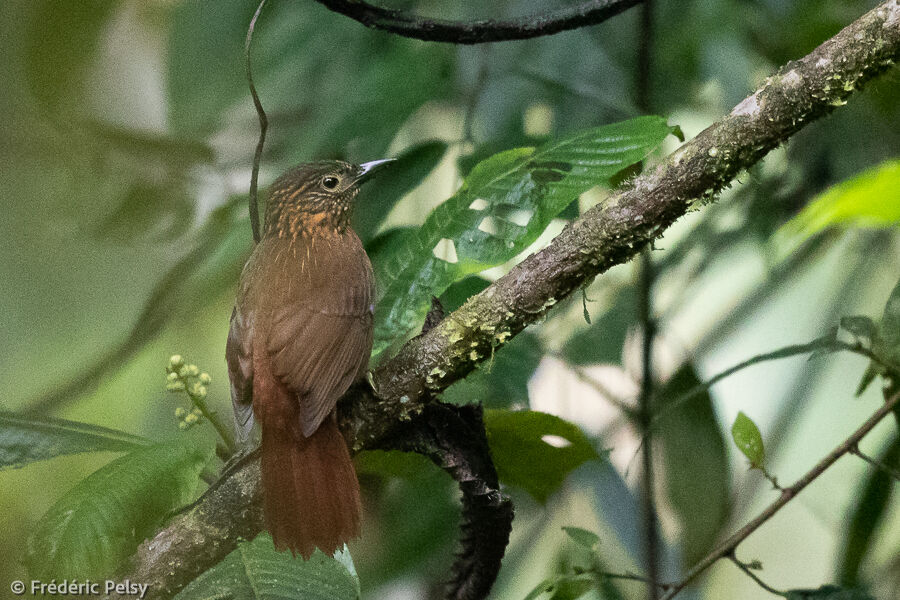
pixel 310 489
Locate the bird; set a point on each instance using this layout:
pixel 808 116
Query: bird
pixel 300 334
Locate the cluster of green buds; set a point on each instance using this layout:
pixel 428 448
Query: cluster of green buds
pixel 183 377
pixel 188 419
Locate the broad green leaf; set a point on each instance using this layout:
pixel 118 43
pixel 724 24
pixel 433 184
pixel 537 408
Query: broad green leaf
pixel 748 440
pixel 866 517
pixel 870 199
pixel 25 439
pixel 406 172
pixel 535 451
pixel 502 207
pixel 828 592
pixel 100 522
pixel 696 470
pixel 582 537
pixel 257 571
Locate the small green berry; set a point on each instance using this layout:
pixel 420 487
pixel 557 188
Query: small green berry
pixel 191 419
pixel 205 379
pixel 182 426
pixel 198 390
pixel 176 361
pixel 190 371
pixel 180 412
pixel 178 386
pixel 172 377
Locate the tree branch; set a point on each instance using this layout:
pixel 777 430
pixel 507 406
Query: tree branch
pixel 607 235
pixel 478 32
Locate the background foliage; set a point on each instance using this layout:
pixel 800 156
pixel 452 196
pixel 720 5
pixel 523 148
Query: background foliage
pixel 128 139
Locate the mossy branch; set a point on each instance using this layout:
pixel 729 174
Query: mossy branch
pixel 609 234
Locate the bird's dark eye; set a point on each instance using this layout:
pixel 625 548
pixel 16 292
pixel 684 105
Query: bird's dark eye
pixel 330 182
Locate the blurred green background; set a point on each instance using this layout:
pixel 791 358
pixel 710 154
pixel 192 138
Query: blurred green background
pixel 128 133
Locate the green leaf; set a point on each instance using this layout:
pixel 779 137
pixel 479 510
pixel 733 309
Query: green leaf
pixel 582 537
pixel 502 207
pixel 748 440
pixel 866 200
pixel 828 592
pixel 859 326
pixel 257 571
pixel 535 451
pixel 101 521
pixel 406 172
pixel 696 469
pixel 26 439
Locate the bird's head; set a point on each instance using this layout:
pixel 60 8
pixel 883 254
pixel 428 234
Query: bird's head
pixel 317 195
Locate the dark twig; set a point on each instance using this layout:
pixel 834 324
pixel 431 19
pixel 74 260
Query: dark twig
pixel 648 506
pixel 855 451
pixel 478 32
pixel 646 278
pixel 263 125
pixel 728 547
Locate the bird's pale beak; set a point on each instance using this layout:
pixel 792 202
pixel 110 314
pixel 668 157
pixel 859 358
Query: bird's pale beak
pixel 369 169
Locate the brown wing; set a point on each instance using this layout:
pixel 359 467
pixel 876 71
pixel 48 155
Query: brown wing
pixel 239 357
pixel 320 338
